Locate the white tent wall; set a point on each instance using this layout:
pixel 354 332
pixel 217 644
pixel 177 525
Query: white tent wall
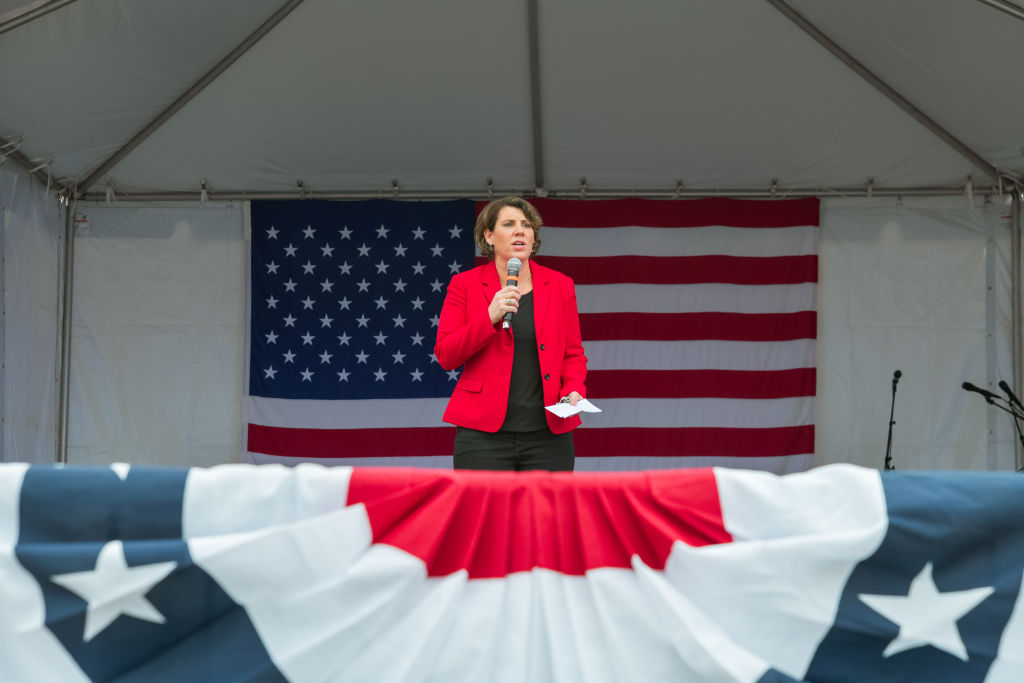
pixel 923 286
pixel 158 339
pixel 32 226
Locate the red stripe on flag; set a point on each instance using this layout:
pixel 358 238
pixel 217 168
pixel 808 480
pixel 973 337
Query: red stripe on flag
pixel 596 442
pixel 690 326
pixel 700 383
pixel 686 270
pixel 495 524
pixel 351 443
pixel 676 213
pixel 694 441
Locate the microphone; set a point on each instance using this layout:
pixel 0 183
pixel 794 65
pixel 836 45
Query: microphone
pixel 514 265
pixel 896 378
pixel 978 390
pixel 1009 392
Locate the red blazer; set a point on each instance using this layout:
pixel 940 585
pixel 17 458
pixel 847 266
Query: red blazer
pixel 465 335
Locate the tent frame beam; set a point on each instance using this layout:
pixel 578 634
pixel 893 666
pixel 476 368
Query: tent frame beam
pixel 33 14
pixel 188 95
pixel 573 193
pixel 1006 6
pixel 899 100
pixel 30 167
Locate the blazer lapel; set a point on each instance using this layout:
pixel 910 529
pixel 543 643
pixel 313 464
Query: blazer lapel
pixel 541 293
pixel 489 281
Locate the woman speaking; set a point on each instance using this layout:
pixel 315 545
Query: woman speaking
pixel 511 372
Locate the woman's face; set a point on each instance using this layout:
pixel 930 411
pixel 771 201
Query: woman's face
pixel 512 235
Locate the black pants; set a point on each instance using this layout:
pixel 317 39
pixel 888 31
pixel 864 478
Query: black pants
pixel 539 450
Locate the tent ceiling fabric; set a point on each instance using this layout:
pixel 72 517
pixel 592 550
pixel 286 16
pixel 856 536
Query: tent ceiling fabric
pixel 348 96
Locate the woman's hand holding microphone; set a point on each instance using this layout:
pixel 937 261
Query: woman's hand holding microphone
pixel 507 299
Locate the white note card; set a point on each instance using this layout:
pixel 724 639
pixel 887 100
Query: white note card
pixel 568 410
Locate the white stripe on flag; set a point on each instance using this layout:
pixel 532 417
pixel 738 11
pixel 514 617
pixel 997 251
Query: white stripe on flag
pixel 443 462
pixel 625 412
pixel 705 297
pixel 703 412
pixel 778 464
pixel 375 414
pixel 701 355
pixel 702 241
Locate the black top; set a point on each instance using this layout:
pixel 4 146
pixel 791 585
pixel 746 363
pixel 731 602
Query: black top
pixel 525 392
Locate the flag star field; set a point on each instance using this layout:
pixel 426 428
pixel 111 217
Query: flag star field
pixel 346 297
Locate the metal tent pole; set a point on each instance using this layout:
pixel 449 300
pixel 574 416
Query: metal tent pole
pixel 536 117
pixel 1015 305
pixel 64 374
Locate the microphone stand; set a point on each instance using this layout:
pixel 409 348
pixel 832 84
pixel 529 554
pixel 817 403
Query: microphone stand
pixel 1017 417
pixel 1016 423
pixel 892 409
pixel 1014 401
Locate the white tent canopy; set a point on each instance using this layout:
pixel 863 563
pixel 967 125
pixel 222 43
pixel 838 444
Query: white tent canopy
pixel 636 97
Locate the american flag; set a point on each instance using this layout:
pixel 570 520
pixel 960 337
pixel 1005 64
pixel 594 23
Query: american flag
pixel 244 573
pixel 698 319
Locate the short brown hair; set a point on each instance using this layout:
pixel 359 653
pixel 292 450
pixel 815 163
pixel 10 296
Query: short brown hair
pixel 488 219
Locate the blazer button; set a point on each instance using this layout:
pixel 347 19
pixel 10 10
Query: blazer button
pixel 541 347
pixel 547 376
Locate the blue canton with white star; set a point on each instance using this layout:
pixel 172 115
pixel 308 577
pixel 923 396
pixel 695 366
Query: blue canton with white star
pixel 346 296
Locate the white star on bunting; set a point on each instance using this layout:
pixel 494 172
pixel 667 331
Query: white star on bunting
pixel 112 588
pixel 927 616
